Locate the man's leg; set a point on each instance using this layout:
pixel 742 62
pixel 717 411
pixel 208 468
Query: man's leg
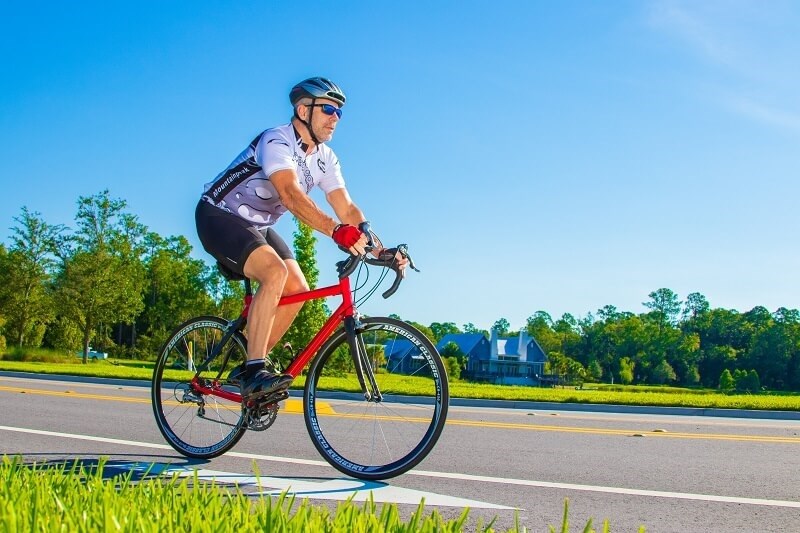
pixel 269 270
pixel 264 266
pixel 285 314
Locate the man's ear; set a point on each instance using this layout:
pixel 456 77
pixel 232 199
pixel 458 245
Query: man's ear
pixel 301 111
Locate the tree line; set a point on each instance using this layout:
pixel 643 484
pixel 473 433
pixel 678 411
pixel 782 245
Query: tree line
pixel 674 342
pixel 111 283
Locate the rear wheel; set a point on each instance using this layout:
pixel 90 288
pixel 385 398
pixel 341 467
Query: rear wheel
pixel 195 424
pixel 387 434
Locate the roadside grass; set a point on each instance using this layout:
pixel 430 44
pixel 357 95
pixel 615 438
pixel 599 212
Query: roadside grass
pixel 58 497
pixel 593 394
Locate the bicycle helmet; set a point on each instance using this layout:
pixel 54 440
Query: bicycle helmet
pixel 317 88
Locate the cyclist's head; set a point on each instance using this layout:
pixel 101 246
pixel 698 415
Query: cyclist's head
pixel 316 88
pixel 306 93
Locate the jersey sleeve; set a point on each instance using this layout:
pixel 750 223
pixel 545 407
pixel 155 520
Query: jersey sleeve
pixel 274 152
pixel 332 179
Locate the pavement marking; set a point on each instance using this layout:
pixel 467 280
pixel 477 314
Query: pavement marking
pixel 295 406
pixel 611 490
pixel 445 475
pixel 340 489
pixel 292 405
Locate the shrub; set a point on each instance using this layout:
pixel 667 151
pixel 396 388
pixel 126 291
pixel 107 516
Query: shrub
pixel 726 382
pixel 453 367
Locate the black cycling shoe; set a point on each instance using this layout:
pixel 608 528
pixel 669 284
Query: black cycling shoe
pixel 264 383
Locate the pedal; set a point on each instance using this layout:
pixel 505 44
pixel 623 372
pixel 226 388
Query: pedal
pixel 272 399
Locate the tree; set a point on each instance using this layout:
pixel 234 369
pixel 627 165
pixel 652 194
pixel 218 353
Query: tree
pixel 501 326
pixel 313 314
pixel 540 326
pixel 695 306
pixel 176 289
pixel 452 350
pixel 425 330
pixel 665 307
pixel 663 373
pixel 626 367
pixel 101 278
pixel 469 327
pixel 26 273
pixel 594 371
pixel 440 329
pixel 566 329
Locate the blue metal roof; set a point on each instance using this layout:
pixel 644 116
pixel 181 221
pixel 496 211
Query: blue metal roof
pixel 466 342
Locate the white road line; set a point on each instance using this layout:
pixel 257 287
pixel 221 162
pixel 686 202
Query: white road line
pixel 447 475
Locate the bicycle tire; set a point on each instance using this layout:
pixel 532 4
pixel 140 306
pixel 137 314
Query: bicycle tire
pixel 195 425
pixel 377 440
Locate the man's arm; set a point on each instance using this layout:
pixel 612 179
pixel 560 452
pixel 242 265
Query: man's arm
pixel 347 211
pixel 300 204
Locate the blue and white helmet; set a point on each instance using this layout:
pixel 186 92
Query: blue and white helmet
pixel 317 88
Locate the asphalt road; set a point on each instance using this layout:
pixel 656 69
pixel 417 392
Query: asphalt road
pixel 668 473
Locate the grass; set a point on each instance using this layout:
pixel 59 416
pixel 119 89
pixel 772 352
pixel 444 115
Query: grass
pixel 597 394
pixel 58 497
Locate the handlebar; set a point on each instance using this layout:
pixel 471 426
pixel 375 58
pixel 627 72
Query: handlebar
pixel 386 259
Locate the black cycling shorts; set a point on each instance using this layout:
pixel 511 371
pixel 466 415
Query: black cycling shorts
pixel 231 239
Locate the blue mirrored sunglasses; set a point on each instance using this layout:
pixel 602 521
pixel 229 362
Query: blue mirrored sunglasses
pixel 328 109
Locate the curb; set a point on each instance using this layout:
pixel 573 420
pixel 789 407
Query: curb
pixel 496 404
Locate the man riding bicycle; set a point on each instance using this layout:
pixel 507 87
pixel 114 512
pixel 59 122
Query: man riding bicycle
pixel 275 174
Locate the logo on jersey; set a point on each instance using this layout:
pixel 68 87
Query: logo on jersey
pixel 321 164
pixel 301 164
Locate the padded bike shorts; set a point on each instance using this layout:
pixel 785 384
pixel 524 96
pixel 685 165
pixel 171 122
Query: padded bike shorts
pixel 231 239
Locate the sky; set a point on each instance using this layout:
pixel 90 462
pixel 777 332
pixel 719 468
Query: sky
pixel 535 156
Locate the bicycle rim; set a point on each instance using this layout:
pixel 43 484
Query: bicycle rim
pixel 198 425
pixel 377 439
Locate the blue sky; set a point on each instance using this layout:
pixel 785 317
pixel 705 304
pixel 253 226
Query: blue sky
pixel 555 156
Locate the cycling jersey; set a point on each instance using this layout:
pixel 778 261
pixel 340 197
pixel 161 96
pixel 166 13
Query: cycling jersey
pixel 244 188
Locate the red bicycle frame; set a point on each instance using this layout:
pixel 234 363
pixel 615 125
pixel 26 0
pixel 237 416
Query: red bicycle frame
pixel 345 309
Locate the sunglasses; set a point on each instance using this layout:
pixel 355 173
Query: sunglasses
pixel 328 109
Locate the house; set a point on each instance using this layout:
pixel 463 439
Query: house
pixel 510 361
pixel 402 357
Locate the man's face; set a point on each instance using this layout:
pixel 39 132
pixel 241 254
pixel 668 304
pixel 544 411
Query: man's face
pixel 322 124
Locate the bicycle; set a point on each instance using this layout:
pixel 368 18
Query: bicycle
pixel 375 398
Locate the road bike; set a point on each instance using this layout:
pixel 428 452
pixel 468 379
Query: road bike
pixel 375 397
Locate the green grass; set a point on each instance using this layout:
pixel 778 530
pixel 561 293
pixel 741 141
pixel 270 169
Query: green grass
pixel 79 499
pixel 595 394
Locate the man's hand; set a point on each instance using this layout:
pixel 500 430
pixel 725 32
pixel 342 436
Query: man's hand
pixel 350 238
pixel 385 254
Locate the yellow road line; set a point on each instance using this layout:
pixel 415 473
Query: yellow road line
pixel 295 406
pixel 291 405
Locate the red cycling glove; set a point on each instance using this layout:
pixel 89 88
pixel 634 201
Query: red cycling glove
pixel 346 235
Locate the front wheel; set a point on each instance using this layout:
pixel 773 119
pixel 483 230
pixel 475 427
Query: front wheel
pixel 195 424
pixel 377 436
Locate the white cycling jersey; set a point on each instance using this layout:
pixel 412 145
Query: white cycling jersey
pixel 244 188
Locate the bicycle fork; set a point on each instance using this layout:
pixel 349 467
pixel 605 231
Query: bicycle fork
pixel 361 361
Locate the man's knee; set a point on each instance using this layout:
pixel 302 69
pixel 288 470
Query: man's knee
pixel 295 281
pixel 265 267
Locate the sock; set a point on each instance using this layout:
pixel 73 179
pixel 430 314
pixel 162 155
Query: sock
pixel 252 368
